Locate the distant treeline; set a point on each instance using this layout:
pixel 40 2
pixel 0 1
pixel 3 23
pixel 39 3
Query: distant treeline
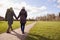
pixel 3 19
pixel 49 17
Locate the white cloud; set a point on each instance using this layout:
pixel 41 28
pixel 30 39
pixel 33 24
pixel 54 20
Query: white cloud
pixel 58 6
pixel 32 10
pixel 51 0
pixel 58 3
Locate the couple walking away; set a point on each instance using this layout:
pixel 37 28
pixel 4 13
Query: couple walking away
pixel 9 17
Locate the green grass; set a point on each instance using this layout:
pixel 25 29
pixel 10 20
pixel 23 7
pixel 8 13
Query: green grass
pixel 45 30
pixel 16 24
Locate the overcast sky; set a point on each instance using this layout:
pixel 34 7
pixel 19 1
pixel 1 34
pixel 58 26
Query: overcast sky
pixel 34 8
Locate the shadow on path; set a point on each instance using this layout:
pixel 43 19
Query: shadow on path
pixel 30 36
pixel 20 36
pixel 36 37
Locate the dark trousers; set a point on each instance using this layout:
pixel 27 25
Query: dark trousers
pixel 9 27
pixel 22 27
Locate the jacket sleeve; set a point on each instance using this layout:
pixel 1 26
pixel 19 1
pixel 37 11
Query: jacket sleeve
pixel 19 14
pixel 26 15
pixel 14 15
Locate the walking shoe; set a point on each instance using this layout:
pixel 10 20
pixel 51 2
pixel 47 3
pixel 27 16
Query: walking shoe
pixel 7 32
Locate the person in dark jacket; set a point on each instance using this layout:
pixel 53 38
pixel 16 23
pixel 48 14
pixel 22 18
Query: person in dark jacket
pixel 23 16
pixel 9 17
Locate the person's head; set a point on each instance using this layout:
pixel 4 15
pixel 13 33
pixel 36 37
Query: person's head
pixel 8 10
pixel 23 9
pixel 11 8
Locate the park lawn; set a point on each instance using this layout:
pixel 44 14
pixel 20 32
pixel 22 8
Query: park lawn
pixel 16 24
pixel 45 30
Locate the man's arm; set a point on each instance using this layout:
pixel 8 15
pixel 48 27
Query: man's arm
pixel 19 14
pixel 14 15
pixel 26 14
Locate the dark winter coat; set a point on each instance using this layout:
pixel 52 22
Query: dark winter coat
pixel 23 16
pixel 9 16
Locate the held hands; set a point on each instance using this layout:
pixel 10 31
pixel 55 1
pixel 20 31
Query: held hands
pixel 16 18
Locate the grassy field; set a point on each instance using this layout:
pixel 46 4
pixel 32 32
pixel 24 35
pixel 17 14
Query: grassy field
pixel 44 30
pixel 16 24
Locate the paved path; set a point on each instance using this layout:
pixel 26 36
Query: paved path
pixel 16 34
